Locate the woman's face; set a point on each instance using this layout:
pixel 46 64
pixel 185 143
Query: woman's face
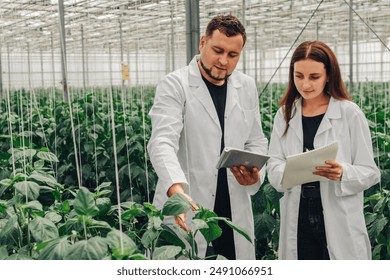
pixel 310 78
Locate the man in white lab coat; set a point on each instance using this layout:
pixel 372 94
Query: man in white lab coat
pixel 197 111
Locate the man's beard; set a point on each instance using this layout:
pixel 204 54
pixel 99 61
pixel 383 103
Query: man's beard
pixel 208 72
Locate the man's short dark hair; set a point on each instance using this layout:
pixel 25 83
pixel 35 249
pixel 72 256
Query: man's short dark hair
pixel 227 24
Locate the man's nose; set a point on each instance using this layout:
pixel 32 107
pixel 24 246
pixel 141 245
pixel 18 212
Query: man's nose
pixel 223 59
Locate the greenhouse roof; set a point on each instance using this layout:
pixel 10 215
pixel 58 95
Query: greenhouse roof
pixel 153 25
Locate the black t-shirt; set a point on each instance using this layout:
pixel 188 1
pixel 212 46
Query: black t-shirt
pixel 224 245
pixel 218 95
pixel 310 126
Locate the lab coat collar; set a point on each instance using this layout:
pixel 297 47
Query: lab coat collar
pixel 203 95
pixel 333 112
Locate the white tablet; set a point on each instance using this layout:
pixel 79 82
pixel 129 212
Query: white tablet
pixel 235 157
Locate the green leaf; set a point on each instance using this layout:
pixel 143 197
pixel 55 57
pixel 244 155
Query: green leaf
pixel 92 249
pixel 21 154
pixel 377 226
pixel 212 232
pixel 176 205
pixel 47 156
pixel 28 188
pixel 3 206
pixel 33 205
pixel 43 229
pixel 155 222
pixel 54 249
pixel 9 230
pixel 149 237
pixel 45 179
pixel 167 252
pixel 264 225
pixel 18 256
pixel 53 216
pixel 235 227
pixel 170 237
pixel 114 241
pixel 200 224
pixel 84 203
pixel 104 205
pixel 138 256
pixel 3 253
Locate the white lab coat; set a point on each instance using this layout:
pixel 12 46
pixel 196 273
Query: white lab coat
pixel 342 201
pixel 188 153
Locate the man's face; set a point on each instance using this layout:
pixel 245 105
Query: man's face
pixel 219 56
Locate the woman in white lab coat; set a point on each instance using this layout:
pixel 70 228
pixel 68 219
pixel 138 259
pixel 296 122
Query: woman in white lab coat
pixel 324 219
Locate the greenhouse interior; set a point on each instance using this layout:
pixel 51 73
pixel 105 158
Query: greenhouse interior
pixel 77 82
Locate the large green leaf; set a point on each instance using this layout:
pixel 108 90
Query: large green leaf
pixel 9 230
pixel 264 225
pixel 47 156
pixel 44 178
pixel 235 227
pixel 53 216
pixel 3 252
pixel 176 205
pixel 43 229
pixel 23 154
pixel 28 188
pixel 149 237
pixel 33 205
pixel 170 237
pixel 212 232
pixel 114 241
pixel 55 249
pixel 167 252
pixel 95 248
pixel 104 205
pixel 377 226
pixel 84 203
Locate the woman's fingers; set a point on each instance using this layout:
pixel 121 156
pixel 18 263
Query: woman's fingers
pixel 334 170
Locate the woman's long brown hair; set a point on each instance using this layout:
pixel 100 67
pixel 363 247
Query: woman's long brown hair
pixel 320 52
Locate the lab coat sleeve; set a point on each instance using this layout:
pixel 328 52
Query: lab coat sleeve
pixel 167 123
pixel 362 172
pixel 277 161
pixel 257 142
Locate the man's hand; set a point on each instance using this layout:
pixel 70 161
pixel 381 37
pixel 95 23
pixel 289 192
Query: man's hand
pixel 181 218
pixel 245 176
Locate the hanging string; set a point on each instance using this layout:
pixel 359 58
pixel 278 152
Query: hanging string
pixel 124 115
pixel 110 92
pixel 35 102
pixel 145 144
pixel 10 132
pixel 293 44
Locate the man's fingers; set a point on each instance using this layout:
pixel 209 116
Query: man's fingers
pixel 180 220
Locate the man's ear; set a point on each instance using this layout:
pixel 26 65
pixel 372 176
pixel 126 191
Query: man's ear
pixel 202 41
